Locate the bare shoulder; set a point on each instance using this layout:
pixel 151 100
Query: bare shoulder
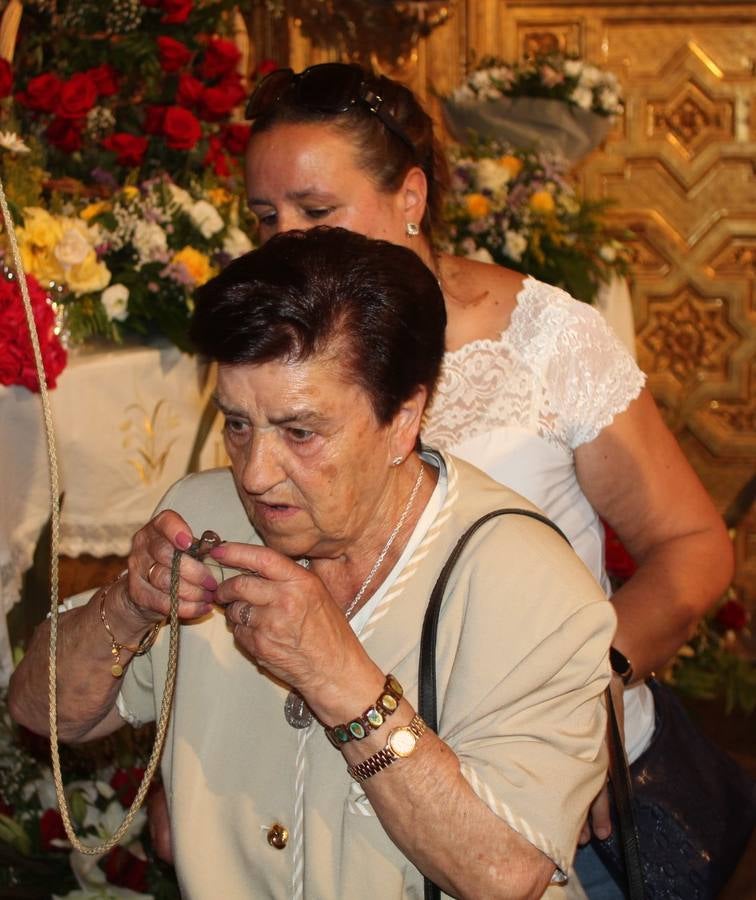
pixel 480 298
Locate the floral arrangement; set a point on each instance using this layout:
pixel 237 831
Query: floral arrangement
pixel 518 208
pixel 17 364
pixel 36 859
pixel 121 158
pixel 115 89
pixel 552 76
pixel 716 663
pixel 130 263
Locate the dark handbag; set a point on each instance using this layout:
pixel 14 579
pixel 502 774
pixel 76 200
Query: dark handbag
pixel 695 809
pixel 627 841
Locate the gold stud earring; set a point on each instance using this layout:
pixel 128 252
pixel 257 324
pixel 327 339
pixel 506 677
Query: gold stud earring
pixel 397 461
pixel 412 229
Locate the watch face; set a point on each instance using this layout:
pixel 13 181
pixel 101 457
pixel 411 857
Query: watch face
pixel 402 741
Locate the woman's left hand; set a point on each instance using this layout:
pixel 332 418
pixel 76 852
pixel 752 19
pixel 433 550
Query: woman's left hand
pixel 283 616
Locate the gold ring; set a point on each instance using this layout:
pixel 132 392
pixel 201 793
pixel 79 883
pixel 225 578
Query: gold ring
pixel 151 569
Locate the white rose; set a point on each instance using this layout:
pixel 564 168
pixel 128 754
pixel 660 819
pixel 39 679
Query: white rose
pixel 515 245
pixel 206 217
pixel 609 100
pixel 150 242
pixel 608 253
pixel 115 299
pixel 573 68
pixel 480 79
pixel 583 96
pixel 180 197
pixel 236 242
pixel 590 76
pixel 491 176
pixel 481 254
pixel 73 248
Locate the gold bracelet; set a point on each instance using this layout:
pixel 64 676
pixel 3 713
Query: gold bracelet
pixel 116 670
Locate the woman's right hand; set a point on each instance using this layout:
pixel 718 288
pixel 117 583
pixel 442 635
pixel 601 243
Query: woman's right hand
pixel 146 592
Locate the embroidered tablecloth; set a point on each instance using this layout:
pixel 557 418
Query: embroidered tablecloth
pixel 125 423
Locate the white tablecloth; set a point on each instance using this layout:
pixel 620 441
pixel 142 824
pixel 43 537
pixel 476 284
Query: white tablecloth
pixel 125 422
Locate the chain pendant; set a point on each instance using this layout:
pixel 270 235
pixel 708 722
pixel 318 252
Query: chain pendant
pixel 296 711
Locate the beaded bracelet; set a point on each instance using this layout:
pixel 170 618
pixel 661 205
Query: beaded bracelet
pixel 373 717
pixel 116 670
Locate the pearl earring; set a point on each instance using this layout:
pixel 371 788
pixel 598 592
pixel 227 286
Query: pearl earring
pixel 412 229
pixel 397 461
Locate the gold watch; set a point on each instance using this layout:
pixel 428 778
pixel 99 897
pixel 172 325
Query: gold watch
pixel 401 743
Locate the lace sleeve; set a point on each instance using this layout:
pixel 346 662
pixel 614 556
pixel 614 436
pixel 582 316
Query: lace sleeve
pixel 589 376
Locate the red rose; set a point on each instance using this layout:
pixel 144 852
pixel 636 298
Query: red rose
pixel 216 158
pixel 105 78
pixel 50 829
pixel 126 870
pixel 6 78
pixel 17 364
pixel 265 67
pixel 181 128
pixel 173 54
pixel 221 58
pixel 732 616
pixel 153 120
pixel 189 90
pixel 77 96
pixel 128 148
pixel 65 134
pixel 125 782
pixel 217 102
pixel 41 93
pixel 619 563
pixel 176 11
pixel 235 138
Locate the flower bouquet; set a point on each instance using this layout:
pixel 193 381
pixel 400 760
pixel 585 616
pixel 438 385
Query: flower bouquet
pixel 552 102
pixel 36 859
pixel 518 208
pixel 149 86
pixel 130 263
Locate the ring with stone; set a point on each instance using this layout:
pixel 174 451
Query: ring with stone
pixel 244 615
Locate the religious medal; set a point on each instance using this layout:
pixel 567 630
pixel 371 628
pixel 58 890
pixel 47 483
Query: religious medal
pixel 297 712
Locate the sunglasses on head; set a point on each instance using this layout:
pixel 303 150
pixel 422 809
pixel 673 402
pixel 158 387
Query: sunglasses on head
pixel 327 88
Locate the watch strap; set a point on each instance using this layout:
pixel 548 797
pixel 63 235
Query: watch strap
pixel 385 757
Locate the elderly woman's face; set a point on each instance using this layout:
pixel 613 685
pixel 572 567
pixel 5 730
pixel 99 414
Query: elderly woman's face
pixel 310 460
pixel 300 176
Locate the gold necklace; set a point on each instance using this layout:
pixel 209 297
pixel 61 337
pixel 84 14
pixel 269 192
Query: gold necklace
pixel 296 711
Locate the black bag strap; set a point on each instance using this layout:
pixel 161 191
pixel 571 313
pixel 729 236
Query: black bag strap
pixel 427 708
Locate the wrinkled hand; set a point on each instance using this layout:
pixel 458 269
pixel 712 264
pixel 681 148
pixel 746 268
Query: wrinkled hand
pixel 149 572
pixel 598 821
pixel 283 616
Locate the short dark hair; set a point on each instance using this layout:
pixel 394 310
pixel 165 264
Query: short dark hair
pixel 374 304
pixel 383 156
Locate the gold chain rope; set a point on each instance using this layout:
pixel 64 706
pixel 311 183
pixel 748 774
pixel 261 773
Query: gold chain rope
pixel 170 682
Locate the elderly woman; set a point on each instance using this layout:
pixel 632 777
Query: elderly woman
pixel 336 527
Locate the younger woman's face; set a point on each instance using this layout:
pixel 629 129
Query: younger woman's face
pixel 303 175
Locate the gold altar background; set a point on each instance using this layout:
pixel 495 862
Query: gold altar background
pixel 681 166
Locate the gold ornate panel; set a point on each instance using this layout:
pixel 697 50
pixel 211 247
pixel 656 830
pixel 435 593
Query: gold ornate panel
pixel 681 166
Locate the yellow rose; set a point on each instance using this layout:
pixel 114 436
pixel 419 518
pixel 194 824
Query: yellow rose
pixel 37 240
pixel 511 164
pixel 196 264
pixel 89 276
pixel 129 192
pixel 477 205
pixel 542 202
pixel 219 196
pixel 94 209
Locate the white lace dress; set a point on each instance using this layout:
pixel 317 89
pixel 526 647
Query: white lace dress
pixel 518 407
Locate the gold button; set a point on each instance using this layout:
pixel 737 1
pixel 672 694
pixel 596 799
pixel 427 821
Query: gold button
pixel 278 836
